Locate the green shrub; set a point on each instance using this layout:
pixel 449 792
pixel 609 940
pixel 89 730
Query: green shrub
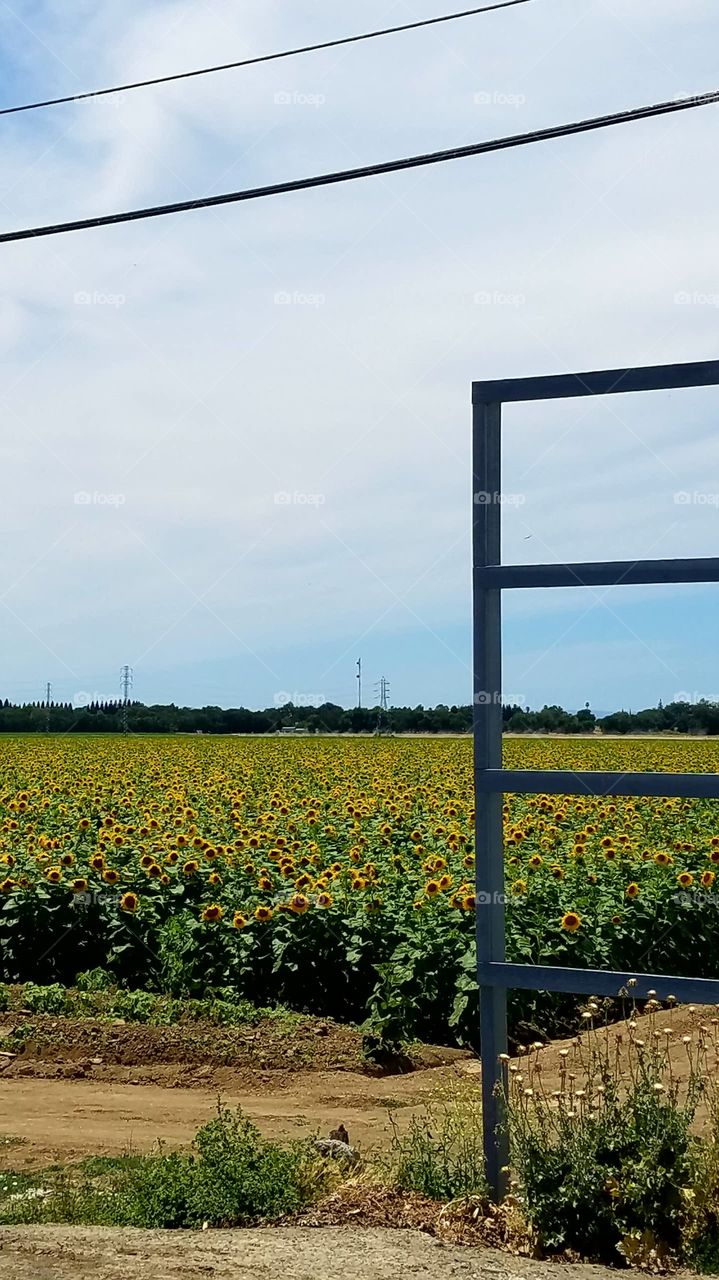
pixel 233 1177
pixel 49 999
pixel 4 997
pixel 135 1006
pixel 609 1162
pixel 94 980
pixel 442 1155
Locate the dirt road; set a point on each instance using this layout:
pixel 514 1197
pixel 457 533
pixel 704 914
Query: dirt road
pixel 60 1120
pixel 333 1253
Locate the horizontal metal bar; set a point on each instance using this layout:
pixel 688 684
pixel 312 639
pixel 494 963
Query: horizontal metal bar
pixel 598 982
pixel 607 573
pixel 578 782
pixel 661 377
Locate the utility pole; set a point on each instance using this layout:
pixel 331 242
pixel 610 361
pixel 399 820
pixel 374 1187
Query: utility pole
pixel 48 696
pixel 359 683
pixel 126 687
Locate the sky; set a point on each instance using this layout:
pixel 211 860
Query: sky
pixel 235 443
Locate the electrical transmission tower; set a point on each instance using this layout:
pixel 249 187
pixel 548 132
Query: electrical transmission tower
pixel 382 693
pixel 48 696
pixel 126 675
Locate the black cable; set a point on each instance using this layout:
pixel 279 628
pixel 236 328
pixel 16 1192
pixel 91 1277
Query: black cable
pixel 372 170
pixel 266 57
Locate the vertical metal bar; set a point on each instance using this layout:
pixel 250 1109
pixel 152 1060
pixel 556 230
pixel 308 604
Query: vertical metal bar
pixel 487 722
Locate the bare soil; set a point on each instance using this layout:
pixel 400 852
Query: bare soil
pixel 84 1088
pixel 78 1088
pixel 334 1253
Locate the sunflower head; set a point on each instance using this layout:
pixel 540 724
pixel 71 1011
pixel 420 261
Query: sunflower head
pixel 212 914
pixel 571 920
pixel 129 902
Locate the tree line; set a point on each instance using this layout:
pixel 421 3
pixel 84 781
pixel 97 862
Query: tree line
pixel 111 717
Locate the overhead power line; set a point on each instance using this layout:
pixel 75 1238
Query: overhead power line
pixel 371 170
pixel 265 57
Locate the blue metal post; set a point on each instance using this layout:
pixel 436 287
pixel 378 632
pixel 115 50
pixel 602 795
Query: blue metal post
pixel 486 540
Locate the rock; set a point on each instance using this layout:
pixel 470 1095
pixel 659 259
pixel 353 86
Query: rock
pixel 336 1150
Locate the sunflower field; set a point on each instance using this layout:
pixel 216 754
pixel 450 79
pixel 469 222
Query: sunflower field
pixel 336 875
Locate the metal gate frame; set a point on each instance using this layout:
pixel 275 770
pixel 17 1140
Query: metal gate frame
pixel 490 577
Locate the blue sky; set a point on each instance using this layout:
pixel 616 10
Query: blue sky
pixel 235 443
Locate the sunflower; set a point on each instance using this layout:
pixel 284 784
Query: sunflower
pixel 685 879
pixel 111 876
pixel 663 859
pixel 190 868
pixel 7 886
pixel 79 885
pixel 469 902
pixel 83 824
pixel 431 888
pixel 632 890
pixel 129 902
pixel 707 879
pixel 212 914
pixel 571 921
pixel 519 887
pixel 299 904
pixel 324 900
pixel 54 875
pixel 558 873
pixel 264 914
pixel 239 921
